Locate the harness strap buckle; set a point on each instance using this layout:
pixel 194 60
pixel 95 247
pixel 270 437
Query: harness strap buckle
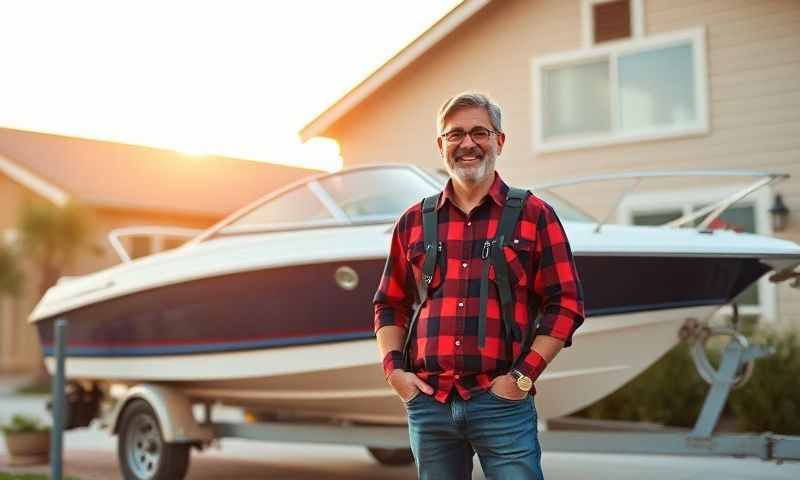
pixel 487 247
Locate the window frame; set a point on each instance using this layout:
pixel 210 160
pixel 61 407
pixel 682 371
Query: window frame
pixel 611 51
pixel 760 200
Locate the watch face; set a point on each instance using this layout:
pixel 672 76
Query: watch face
pixel 524 383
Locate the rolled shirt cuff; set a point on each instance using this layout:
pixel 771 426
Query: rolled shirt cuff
pixel 532 365
pixel 391 362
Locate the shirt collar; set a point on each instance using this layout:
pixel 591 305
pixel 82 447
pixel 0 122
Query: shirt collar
pixel 497 192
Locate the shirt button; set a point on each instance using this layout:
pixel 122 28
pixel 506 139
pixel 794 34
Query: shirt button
pixel 464 264
pixel 458 343
pixel 457 376
pixel 460 304
pixel 516 240
pixel 469 224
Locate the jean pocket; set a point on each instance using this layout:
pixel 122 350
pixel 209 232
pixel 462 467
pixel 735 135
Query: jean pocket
pixel 507 400
pixel 412 399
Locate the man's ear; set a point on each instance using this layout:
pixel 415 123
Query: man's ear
pixel 439 144
pixel 501 140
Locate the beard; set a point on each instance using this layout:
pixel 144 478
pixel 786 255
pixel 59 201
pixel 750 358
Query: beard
pixel 470 171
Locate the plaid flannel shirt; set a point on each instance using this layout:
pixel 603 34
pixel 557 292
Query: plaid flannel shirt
pixel 444 352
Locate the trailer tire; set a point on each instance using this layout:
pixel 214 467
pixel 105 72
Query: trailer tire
pixel 142 452
pixel 392 456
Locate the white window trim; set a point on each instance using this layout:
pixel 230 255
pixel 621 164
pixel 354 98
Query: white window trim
pixel 761 200
pixel 587 21
pixel 610 51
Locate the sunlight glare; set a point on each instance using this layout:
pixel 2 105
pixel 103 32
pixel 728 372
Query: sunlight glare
pixel 232 78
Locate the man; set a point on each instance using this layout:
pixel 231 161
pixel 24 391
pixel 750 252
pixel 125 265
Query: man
pixel 468 384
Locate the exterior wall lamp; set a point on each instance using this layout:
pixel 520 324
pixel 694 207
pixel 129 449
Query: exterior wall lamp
pixel 779 213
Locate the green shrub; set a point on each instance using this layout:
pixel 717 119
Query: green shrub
pixel 771 400
pixel 671 392
pixel 23 424
pixel 35 388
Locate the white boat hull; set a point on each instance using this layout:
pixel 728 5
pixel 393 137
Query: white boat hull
pixel 344 380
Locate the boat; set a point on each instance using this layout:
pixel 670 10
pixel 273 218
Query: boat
pixel 270 309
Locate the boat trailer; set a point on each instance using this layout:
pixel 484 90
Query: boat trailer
pixel 165 416
pixel 735 369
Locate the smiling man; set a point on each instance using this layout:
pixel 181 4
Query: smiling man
pixel 479 294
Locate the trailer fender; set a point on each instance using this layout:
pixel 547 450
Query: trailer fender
pixel 173 409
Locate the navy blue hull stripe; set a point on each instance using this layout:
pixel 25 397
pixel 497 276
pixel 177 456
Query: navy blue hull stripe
pixel 160 350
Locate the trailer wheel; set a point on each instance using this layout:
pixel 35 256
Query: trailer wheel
pixel 142 452
pixel 392 456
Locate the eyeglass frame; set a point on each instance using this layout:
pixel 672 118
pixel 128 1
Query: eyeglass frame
pixel 468 133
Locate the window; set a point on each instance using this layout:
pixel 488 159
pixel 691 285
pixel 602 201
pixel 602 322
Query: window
pixel 750 215
pixel 639 89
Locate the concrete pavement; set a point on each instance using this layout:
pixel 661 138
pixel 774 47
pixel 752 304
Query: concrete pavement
pixel 90 454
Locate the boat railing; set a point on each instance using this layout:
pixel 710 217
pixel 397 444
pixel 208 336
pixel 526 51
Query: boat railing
pixel 115 236
pixel 708 213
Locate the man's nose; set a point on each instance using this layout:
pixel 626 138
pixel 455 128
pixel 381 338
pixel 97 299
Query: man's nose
pixel 468 141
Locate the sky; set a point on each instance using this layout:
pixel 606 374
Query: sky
pixel 235 78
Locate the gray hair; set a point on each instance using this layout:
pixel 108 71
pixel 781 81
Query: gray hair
pixel 470 99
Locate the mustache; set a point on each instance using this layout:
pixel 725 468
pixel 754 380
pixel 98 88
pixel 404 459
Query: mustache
pixel 471 151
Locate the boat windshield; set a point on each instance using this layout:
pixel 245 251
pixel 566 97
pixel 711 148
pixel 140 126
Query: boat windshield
pixel 376 193
pixel 361 195
pixel 566 211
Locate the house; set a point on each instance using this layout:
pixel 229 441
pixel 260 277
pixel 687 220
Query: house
pixel 600 86
pixel 124 185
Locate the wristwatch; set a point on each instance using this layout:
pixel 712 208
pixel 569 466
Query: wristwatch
pixel 524 382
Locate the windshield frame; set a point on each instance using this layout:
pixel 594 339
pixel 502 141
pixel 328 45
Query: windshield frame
pixel 339 217
pixel 560 199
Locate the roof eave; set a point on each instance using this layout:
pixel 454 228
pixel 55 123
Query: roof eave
pixel 33 182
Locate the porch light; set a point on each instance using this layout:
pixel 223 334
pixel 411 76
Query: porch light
pixel 779 213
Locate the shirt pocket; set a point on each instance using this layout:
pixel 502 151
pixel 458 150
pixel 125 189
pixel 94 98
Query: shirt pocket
pixel 415 255
pixel 518 254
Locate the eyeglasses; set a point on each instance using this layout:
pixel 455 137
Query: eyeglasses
pixel 477 134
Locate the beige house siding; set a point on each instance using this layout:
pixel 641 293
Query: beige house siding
pixel 492 52
pixel 753 63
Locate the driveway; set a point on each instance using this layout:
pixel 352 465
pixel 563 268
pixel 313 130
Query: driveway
pixel 90 454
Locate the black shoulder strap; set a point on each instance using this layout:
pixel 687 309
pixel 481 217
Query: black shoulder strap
pixel 493 252
pixel 430 224
pixel 505 230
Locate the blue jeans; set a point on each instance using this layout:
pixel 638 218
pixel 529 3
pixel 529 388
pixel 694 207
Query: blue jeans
pixel 502 432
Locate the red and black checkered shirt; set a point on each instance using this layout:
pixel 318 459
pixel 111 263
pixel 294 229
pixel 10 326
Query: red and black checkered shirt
pixel 544 280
